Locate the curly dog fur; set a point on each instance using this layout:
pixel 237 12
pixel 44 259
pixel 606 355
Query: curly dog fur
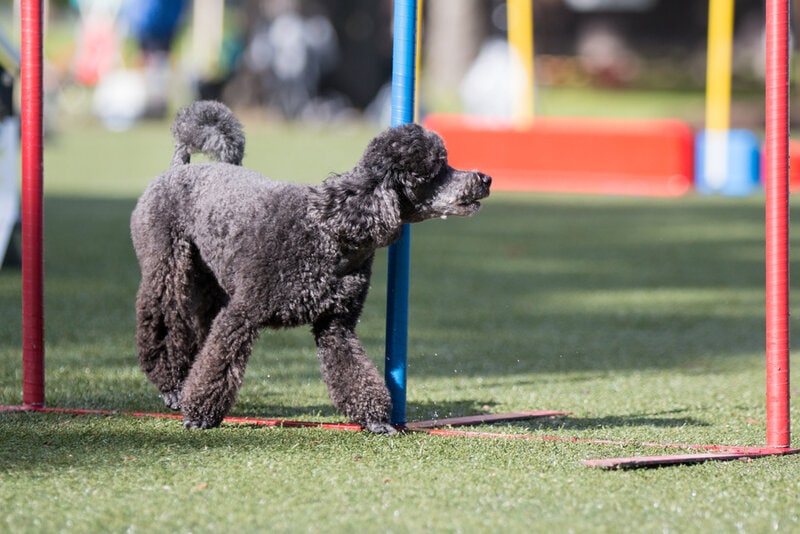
pixel 224 252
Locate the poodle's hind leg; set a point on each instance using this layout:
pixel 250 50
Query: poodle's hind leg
pixel 216 376
pixel 175 307
pixel 151 336
pixel 354 384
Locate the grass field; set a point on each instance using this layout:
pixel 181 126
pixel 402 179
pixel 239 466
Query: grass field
pixel 641 317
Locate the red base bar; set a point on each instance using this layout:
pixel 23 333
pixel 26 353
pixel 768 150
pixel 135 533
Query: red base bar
pixel 637 462
pixel 254 421
pixel 482 419
pixel 713 452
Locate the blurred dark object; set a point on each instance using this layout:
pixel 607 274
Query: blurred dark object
pixel 12 258
pixel 313 59
pixel 364 30
pixel 6 94
pixel 9 68
pixel 610 5
pixel 10 255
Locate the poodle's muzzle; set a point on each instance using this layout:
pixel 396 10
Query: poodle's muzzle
pixel 459 194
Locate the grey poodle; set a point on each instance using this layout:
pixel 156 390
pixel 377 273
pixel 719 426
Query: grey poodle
pixel 225 251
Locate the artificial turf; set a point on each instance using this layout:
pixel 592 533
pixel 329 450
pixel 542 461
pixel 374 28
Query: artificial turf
pixel 643 318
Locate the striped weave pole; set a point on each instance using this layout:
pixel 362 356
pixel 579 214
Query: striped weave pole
pixel 403 106
pixel 776 181
pixel 32 195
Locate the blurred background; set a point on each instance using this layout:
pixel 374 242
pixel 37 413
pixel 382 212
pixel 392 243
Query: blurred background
pixel 123 61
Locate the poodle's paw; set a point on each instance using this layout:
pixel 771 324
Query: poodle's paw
pixel 172 399
pixel 199 423
pixel 201 418
pixel 380 427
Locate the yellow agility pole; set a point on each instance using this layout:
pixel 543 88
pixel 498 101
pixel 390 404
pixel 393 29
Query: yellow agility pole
pixel 718 89
pixel 520 42
pixel 207 33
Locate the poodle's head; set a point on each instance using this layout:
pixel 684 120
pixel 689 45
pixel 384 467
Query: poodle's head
pixel 411 163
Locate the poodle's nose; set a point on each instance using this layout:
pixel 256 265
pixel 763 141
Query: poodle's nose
pixel 485 178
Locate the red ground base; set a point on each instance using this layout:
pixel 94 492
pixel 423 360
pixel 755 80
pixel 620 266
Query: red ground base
pixel 444 427
pixel 254 421
pixel 481 419
pixel 743 453
pixel 574 155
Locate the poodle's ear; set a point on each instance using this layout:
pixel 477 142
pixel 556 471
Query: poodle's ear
pixel 358 216
pixel 404 156
pixel 381 215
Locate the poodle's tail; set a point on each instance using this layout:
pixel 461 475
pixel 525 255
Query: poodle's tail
pixel 210 128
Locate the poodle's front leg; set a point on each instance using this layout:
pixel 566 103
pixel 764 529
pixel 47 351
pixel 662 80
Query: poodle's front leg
pixel 354 384
pixel 214 380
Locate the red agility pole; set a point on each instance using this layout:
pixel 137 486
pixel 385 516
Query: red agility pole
pixel 32 217
pixel 776 181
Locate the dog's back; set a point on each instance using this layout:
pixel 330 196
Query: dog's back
pixel 210 128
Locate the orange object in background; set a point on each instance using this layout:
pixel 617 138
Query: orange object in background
pixel 794 166
pixel 574 155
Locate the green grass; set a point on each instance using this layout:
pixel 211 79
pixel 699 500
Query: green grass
pixel 641 317
pixel 595 102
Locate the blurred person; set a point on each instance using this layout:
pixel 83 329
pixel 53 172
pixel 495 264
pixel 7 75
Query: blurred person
pixel 153 24
pixel 98 40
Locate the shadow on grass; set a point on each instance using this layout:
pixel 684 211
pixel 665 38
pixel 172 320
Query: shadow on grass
pixel 63 442
pixel 669 419
pixel 38 442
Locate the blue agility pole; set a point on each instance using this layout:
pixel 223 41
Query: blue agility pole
pixel 403 84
